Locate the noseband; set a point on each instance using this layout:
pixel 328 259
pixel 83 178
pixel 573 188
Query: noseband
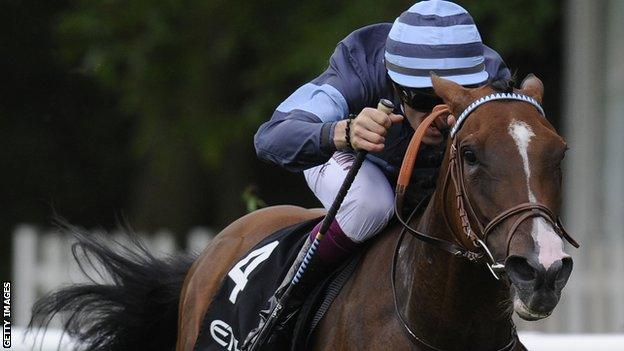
pixel 470 244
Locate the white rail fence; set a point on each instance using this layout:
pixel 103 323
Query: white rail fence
pixel 42 261
pixel 593 301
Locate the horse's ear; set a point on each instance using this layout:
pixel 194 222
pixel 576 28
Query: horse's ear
pixel 533 87
pixel 453 94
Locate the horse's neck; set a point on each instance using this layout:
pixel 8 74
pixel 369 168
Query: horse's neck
pixel 450 303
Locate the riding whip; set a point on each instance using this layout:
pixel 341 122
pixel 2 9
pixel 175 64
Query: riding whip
pixel 385 106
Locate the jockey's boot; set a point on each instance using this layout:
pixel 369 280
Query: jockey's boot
pixel 330 252
pixel 282 331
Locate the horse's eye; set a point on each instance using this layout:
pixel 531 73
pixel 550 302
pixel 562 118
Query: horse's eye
pixel 470 156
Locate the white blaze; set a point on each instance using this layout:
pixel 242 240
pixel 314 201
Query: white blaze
pixel 522 134
pixel 549 244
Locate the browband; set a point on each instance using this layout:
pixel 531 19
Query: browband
pixel 493 97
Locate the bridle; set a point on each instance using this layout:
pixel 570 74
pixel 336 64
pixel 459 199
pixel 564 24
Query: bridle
pixel 470 244
pixel 479 239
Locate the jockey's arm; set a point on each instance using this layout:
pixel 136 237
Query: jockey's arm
pixel 301 132
pixel 309 125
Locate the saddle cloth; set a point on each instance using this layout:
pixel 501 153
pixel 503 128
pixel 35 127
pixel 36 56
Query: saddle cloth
pixel 251 282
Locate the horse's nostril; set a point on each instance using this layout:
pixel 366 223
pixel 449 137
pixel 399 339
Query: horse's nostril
pixel 519 269
pixel 564 272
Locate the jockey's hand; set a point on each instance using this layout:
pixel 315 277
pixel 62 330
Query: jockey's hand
pixel 368 130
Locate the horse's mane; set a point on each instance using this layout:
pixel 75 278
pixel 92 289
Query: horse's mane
pixel 504 85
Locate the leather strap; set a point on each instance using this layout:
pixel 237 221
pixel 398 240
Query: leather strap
pixel 411 335
pixel 409 160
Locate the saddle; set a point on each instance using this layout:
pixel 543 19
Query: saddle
pixel 253 280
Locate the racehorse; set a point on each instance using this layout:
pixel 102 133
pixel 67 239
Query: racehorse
pixel 500 175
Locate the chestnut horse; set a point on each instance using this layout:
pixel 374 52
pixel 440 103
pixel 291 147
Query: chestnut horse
pixel 509 153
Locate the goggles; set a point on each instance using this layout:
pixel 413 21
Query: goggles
pixel 420 99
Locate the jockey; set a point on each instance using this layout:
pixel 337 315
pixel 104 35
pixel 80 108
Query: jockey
pixel 318 127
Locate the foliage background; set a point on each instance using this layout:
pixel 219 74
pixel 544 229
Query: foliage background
pixel 146 109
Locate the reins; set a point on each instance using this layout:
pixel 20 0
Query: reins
pixel 405 174
pixel 454 173
pixel 406 328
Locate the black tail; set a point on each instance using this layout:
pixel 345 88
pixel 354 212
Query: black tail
pixel 137 311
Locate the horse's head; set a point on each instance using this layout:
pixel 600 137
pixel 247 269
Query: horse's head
pixel 508 157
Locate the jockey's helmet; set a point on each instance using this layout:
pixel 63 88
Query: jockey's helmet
pixel 434 36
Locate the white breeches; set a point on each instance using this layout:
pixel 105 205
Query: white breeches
pixel 369 203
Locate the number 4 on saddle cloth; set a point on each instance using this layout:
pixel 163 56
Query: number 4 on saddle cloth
pixel 253 280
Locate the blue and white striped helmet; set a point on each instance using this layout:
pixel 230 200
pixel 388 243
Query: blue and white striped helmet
pixel 435 36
